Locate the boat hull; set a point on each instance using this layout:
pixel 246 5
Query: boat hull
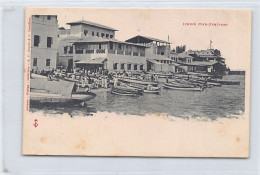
pixel 39 97
pixel 169 86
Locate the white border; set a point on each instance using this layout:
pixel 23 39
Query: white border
pixel 12 98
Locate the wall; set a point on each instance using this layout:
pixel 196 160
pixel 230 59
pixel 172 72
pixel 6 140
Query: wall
pixel 44 28
pixel 79 29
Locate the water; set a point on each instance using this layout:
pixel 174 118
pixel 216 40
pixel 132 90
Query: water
pixel 225 101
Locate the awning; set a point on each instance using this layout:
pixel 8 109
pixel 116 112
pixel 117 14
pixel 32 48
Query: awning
pixel 154 62
pixel 92 61
pixel 199 63
pixel 175 64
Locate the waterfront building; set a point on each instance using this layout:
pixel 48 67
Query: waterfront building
pixel 203 61
pixel 43 43
pixel 93 47
pixel 157 53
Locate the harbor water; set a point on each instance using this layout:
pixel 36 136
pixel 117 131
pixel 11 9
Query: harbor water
pixel 216 102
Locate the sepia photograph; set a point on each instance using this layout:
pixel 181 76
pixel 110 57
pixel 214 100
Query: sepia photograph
pixel 137 82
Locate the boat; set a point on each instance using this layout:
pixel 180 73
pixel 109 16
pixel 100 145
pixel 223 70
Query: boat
pixel 174 87
pixel 59 92
pixel 224 82
pixel 142 82
pixel 130 89
pixel 152 90
pixel 160 74
pixel 119 91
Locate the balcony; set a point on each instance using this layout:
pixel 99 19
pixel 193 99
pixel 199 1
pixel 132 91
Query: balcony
pixel 89 51
pixel 106 51
pixel 100 51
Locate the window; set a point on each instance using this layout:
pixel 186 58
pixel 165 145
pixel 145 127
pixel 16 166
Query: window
pixel 36 40
pixel 111 46
pixel 111 36
pixel 162 53
pixel 135 67
pixel 107 35
pixel 65 50
pixel 93 33
pixel 141 67
pixel 119 46
pixel 71 49
pixel 49 17
pixel 115 66
pixel 102 35
pixel 97 34
pixel 85 32
pixel 49 42
pixel 48 62
pixel 122 66
pixel 128 66
pixel 37 16
pixel 99 46
pixel 34 61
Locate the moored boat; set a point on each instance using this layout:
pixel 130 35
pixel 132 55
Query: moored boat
pixel 174 87
pixel 123 92
pixel 224 82
pixel 59 92
pixel 142 82
pixel 151 90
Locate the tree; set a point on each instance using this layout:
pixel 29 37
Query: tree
pixel 180 49
pixel 217 52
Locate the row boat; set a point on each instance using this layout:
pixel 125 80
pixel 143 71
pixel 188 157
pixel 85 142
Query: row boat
pixel 224 82
pixel 152 90
pixel 123 92
pixel 139 82
pixel 171 86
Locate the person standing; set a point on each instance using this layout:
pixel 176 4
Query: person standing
pixel 115 81
pixel 105 82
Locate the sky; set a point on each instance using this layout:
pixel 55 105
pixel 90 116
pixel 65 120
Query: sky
pixel 233 39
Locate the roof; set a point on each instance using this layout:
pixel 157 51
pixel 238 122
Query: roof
pixel 175 64
pixel 102 40
pixel 200 63
pixel 201 53
pixel 162 58
pixel 154 62
pixel 144 39
pixel 184 55
pixel 92 61
pixel 91 24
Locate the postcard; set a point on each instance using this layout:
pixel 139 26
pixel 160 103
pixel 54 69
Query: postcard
pixel 137 82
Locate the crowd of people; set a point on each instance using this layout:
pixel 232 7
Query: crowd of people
pixel 96 79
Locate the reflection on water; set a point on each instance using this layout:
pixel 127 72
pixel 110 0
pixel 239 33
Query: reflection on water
pixel 212 102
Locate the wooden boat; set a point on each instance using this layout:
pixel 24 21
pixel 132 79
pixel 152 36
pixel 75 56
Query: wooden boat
pixel 160 74
pixel 170 86
pixel 182 84
pixel 44 91
pixel 139 82
pixel 224 82
pixel 130 89
pixel 213 83
pixel 153 90
pixel 118 91
pixel 44 96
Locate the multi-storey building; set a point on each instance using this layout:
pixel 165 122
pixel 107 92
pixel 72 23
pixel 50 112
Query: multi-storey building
pixel 43 42
pixel 94 47
pixel 157 53
pixel 205 61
